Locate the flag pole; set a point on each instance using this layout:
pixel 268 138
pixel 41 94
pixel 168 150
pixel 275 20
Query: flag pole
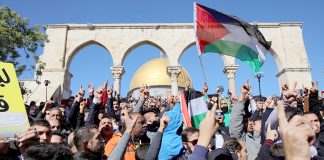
pixel 197 43
pixel 202 68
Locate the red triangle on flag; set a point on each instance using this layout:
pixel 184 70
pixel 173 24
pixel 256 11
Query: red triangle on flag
pixel 208 28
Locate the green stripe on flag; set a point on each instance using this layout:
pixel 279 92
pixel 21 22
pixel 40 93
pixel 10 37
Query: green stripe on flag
pixel 195 120
pixel 237 50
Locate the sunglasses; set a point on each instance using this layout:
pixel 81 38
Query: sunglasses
pixel 194 142
pixel 219 113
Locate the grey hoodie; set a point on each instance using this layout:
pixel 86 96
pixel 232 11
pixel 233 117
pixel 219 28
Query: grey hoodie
pixel 252 141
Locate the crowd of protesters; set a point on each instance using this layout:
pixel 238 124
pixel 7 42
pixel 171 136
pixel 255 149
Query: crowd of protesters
pixel 105 126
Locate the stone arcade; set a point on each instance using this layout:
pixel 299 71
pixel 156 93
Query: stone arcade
pixel 65 40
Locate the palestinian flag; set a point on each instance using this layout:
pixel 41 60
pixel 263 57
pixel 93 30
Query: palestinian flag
pixel 193 108
pixel 224 34
pixel 197 110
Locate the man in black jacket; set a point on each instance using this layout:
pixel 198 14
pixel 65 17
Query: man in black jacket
pixel 222 133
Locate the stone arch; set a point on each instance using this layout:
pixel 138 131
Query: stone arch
pixel 184 49
pixel 276 57
pixel 74 51
pixel 138 44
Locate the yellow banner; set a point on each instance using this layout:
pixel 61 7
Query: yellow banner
pixel 13 117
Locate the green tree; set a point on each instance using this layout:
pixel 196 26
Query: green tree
pixel 18 39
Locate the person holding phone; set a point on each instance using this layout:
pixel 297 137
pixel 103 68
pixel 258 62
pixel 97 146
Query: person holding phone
pixel 222 134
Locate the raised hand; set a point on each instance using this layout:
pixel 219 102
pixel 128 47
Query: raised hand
pixel 83 104
pixel 271 134
pixel 208 127
pixel 289 93
pixel 246 87
pixel 47 106
pixel 305 91
pixel 91 89
pixel 27 138
pixel 144 92
pixel 98 95
pixel 163 122
pixel 80 95
pixel 141 93
pixel 284 87
pixel 244 90
pixel 158 101
pixel 297 136
pixel 230 97
pixel 129 121
pixel 205 89
pixel 314 88
pixel 176 98
pixel 104 86
pixel 110 91
pixel 269 103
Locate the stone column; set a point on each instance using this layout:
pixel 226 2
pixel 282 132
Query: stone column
pixel 117 72
pixel 230 71
pixel 173 72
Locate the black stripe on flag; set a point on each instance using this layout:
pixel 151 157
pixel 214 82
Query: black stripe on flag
pixel 251 30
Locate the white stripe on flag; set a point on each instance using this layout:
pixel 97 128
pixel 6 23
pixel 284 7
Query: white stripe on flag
pixel 197 106
pixel 239 35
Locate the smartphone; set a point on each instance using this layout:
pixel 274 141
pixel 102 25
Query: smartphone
pixel 221 89
pixel 301 91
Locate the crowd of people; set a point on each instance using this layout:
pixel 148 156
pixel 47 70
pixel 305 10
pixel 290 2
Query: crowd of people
pixel 105 126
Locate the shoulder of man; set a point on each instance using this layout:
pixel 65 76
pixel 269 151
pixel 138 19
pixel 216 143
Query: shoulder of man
pixel 112 143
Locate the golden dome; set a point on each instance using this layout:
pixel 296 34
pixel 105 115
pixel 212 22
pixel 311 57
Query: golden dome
pixel 154 73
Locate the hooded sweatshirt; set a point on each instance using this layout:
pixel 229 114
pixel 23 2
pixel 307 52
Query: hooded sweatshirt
pixel 171 145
